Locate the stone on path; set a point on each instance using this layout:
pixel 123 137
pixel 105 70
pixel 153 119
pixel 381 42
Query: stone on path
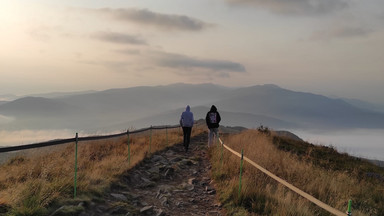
pixel 120 197
pixel 170 182
pixel 146 210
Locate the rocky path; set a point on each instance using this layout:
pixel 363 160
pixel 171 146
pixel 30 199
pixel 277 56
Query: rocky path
pixel 171 182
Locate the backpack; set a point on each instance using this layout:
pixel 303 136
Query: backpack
pixel 213 118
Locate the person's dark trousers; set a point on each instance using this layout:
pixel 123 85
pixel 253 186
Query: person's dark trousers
pixel 187 137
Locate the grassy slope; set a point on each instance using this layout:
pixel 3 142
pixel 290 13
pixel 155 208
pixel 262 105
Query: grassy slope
pixel 331 177
pixel 42 181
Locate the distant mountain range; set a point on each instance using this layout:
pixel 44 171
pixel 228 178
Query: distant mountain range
pixel 115 109
pixel 365 105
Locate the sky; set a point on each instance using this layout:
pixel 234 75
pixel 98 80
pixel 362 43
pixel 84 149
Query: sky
pixel 330 47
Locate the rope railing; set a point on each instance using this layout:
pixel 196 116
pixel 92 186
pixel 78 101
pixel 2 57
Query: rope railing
pixel 288 185
pixel 89 138
pixel 77 139
pixel 127 133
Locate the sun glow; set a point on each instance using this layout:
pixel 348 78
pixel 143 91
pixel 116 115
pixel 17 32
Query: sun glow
pixel 9 13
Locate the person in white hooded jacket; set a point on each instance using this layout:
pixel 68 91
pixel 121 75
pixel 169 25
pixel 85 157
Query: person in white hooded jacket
pixel 186 122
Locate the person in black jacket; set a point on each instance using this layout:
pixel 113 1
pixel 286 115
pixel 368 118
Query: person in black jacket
pixel 212 119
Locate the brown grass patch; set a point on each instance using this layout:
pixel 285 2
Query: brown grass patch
pixel 34 181
pixel 261 195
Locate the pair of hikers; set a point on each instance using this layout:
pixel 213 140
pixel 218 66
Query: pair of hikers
pixel 212 120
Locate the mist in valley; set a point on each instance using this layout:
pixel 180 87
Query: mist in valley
pixel 350 127
pixel 364 143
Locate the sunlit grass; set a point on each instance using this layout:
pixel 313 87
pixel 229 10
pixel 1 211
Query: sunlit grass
pixel 29 184
pixel 261 195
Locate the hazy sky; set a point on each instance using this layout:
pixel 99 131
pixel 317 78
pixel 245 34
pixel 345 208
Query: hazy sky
pixel 332 47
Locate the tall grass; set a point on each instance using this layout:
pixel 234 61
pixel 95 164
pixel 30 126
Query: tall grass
pixel 30 184
pixel 261 195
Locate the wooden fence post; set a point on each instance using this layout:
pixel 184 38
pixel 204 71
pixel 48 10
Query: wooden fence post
pixel 75 180
pixel 349 213
pixel 166 134
pixel 217 137
pixel 150 139
pixel 129 149
pixel 222 146
pixel 241 170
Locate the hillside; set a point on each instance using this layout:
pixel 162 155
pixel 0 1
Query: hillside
pixel 172 182
pixel 38 181
pixel 105 108
pixel 8 97
pixel 365 105
pixel 231 119
pixel 37 107
pixel 320 171
pixel 251 107
pixel 304 109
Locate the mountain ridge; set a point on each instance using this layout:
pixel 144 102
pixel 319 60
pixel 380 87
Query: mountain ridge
pixel 279 107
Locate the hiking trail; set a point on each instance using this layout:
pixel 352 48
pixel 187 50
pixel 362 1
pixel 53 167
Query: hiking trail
pixel 170 182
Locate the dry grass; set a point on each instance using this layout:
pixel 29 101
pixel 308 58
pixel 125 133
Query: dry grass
pixel 261 195
pixel 30 184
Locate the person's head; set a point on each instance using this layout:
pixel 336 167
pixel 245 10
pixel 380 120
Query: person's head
pixel 213 108
pixel 188 108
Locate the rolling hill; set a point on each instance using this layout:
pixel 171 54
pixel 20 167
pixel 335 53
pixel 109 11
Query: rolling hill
pixel 304 109
pixel 38 107
pixel 267 105
pixel 231 119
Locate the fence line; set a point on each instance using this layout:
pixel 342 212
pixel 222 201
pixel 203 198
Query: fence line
pixel 89 138
pixel 285 183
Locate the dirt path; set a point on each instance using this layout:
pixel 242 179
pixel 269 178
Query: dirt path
pixel 171 182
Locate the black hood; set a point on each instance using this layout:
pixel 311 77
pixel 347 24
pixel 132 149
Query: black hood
pixel 213 108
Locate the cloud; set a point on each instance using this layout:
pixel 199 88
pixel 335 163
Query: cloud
pixel 5 119
pixel 164 61
pixel 341 32
pixel 116 66
pixel 295 7
pixel 128 51
pixel 179 61
pixel 44 33
pixel 119 38
pixel 159 20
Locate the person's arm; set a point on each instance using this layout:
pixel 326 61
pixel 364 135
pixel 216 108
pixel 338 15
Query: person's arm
pixel 218 118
